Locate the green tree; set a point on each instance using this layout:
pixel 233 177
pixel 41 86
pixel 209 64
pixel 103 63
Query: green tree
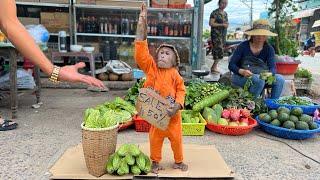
pixel 285 42
pixel 206 34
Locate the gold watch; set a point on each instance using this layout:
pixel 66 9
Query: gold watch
pixel 55 74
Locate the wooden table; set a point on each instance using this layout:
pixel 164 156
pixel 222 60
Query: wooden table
pixel 90 56
pixel 9 50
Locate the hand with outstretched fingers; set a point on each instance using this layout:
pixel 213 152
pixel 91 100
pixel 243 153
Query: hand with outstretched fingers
pixel 71 74
pixel 142 24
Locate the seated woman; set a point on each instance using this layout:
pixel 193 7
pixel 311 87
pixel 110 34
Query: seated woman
pixel 253 57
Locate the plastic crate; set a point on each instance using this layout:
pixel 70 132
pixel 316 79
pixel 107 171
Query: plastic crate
pixel 286 68
pixel 141 125
pixel 126 125
pixel 233 130
pixel 194 129
pixel 272 104
pixel 302 83
pixel 288 133
pixel 138 74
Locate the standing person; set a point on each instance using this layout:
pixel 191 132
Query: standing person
pixel 163 77
pixel 254 56
pixel 219 24
pixel 25 44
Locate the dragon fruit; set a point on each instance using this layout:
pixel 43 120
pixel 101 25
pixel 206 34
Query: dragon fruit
pixel 234 114
pixel 226 113
pixel 245 113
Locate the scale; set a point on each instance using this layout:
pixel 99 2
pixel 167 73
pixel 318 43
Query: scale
pixel 200 73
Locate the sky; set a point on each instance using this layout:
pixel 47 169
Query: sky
pixel 238 13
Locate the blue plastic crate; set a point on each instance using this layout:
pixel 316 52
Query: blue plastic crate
pixel 138 74
pixel 272 104
pixel 287 133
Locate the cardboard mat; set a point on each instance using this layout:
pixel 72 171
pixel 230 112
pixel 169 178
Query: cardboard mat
pixel 204 162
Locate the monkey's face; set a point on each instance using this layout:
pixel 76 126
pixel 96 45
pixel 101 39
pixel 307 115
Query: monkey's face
pixel 166 58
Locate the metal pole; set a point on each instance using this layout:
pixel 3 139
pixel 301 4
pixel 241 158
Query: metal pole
pixel 251 14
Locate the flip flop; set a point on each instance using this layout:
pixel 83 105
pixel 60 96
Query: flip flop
pixel 5 126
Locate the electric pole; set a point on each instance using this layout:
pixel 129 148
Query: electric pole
pixel 251 10
pixel 251 14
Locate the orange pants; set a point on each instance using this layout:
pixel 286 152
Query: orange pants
pixel 173 133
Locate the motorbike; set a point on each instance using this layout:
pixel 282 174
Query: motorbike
pixel 229 47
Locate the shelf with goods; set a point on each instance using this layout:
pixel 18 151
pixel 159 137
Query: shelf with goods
pixel 55 15
pixel 119 24
pixel 43 4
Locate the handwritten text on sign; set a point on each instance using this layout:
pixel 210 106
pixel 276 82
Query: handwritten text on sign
pixel 153 108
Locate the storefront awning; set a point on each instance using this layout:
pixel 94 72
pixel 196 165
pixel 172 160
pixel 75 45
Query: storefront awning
pixel 316 24
pixel 304 13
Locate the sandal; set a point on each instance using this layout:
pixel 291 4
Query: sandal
pixel 5 126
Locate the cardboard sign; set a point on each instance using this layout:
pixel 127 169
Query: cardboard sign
pixel 153 108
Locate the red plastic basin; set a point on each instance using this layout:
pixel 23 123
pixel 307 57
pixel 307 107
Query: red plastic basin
pixel 286 68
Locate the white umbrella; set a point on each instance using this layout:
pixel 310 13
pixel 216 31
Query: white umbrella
pixel 316 24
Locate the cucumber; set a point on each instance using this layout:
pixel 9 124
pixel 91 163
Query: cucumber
pixel 211 100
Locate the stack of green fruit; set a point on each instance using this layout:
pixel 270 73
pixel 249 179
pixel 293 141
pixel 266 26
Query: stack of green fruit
pixel 294 119
pixel 198 90
pixel 128 159
pixel 189 116
pixel 212 115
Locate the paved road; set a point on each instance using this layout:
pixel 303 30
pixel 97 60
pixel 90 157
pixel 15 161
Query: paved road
pixel 44 134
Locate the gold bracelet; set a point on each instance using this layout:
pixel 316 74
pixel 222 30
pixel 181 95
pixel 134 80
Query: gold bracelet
pixel 55 74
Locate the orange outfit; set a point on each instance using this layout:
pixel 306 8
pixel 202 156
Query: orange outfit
pixel 169 84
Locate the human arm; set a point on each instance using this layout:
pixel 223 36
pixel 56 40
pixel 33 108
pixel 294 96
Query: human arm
pixel 213 22
pixel 25 44
pixel 234 61
pixel 142 55
pixel 270 59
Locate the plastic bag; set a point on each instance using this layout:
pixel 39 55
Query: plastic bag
pixel 24 80
pixel 39 33
pixel 115 66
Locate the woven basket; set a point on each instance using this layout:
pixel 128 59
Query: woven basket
pixel 302 83
pixel 98 144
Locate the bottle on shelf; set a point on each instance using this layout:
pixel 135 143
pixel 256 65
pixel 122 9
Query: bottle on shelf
pixel 95 24
pixel 114 50
pixel 86 25
pixel 106 50
pixel 101 25
pixel 110 26
pixel 119 25
pixel 149 27
pixel 155 28
pixel 180 26
pixel 105 24
pixel 166 26
pixel 125 26
pixel 80 25
pixel 176 27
